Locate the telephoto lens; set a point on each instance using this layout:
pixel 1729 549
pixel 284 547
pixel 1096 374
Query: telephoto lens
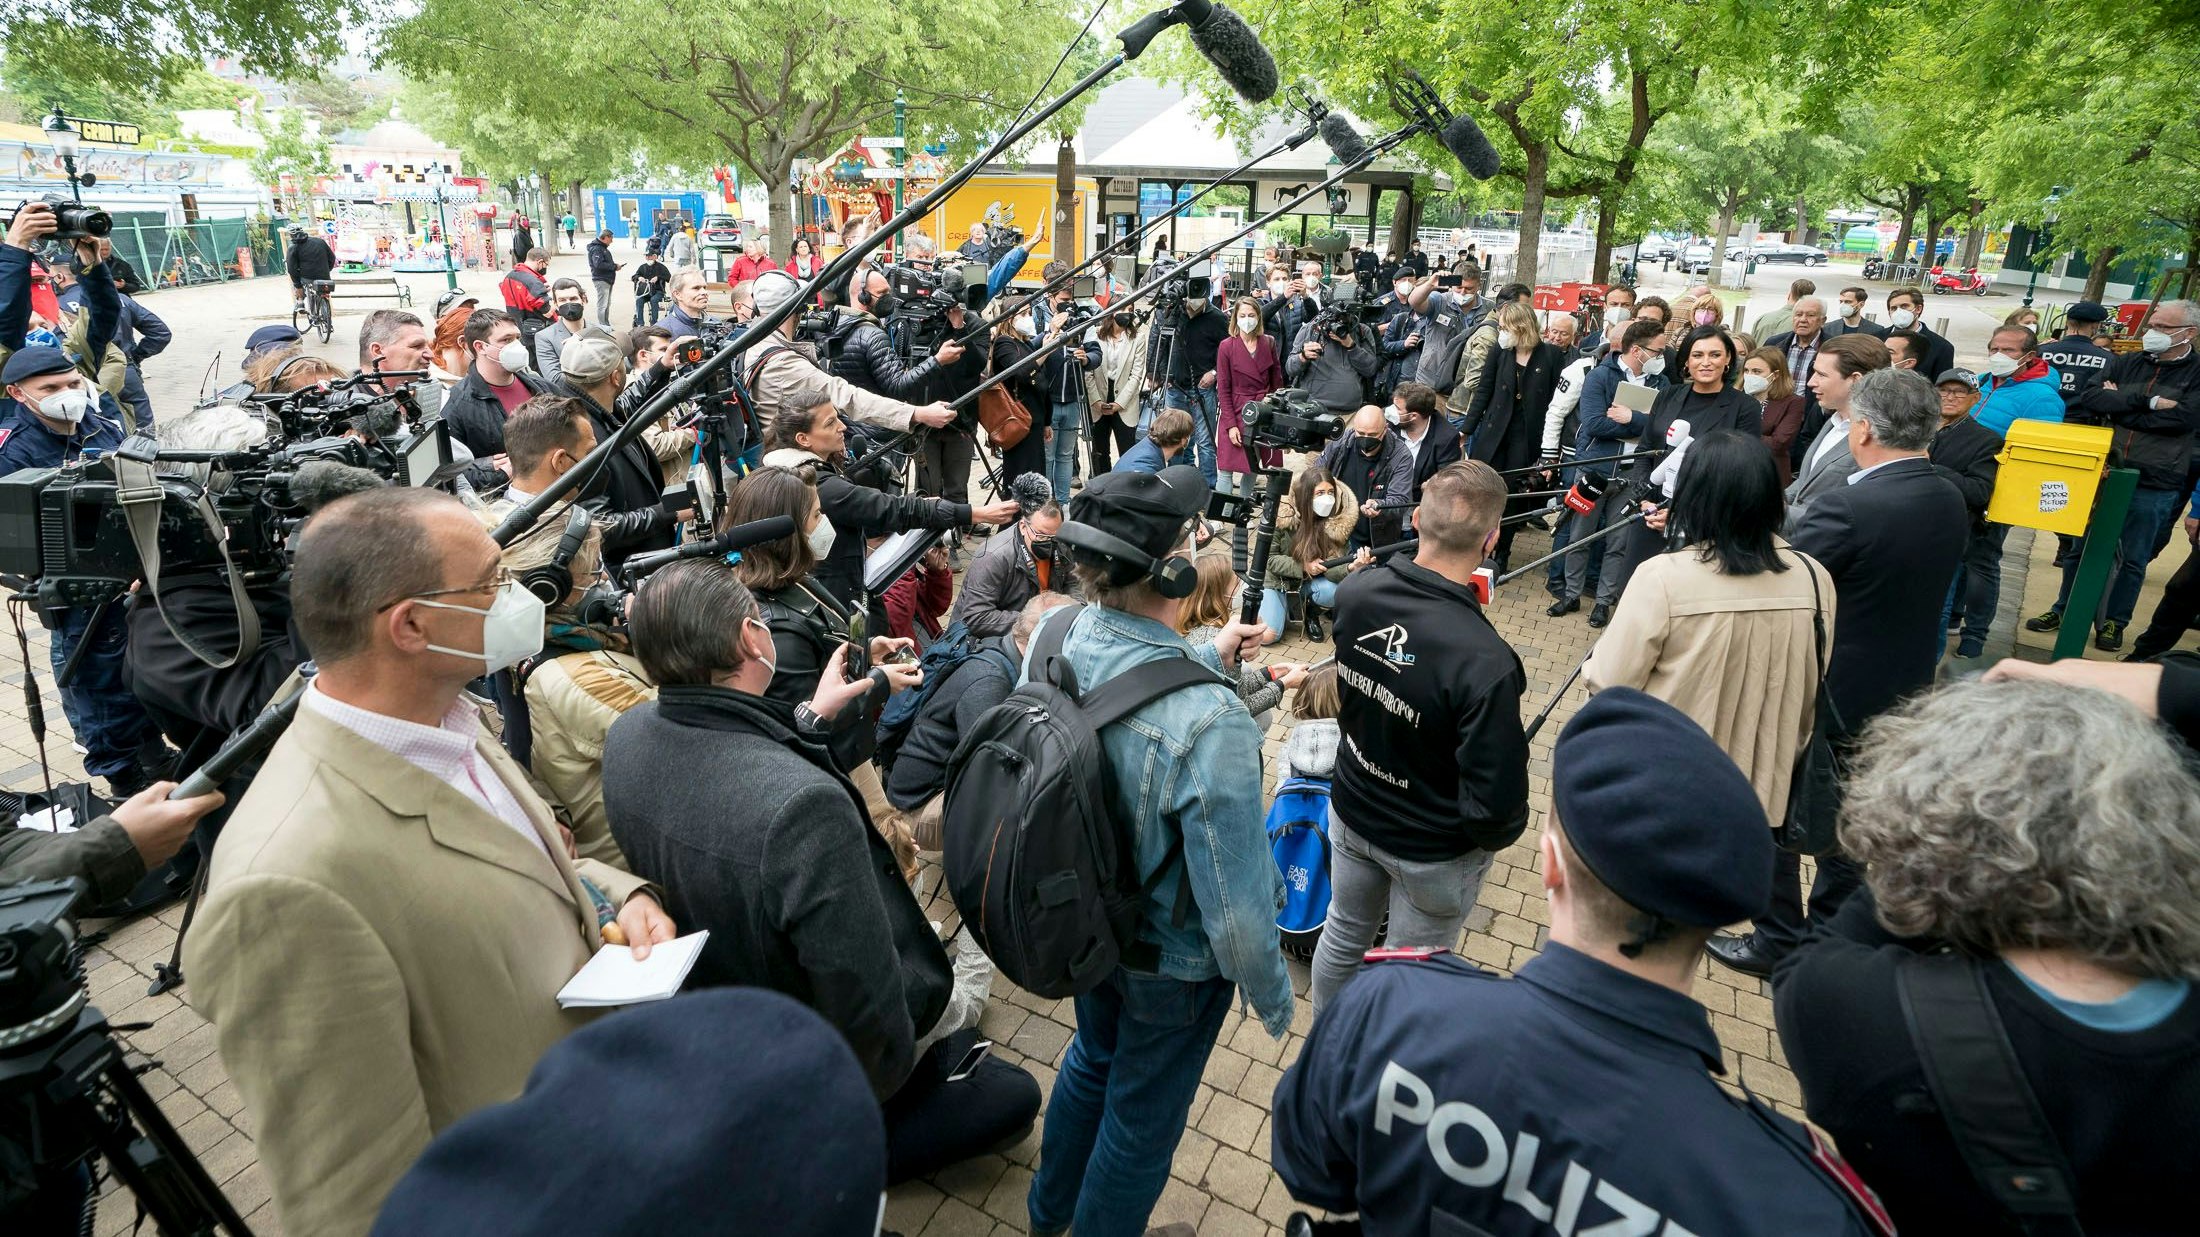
pixel 80 222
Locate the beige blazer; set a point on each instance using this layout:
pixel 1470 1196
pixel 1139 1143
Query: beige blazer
pixel 1732 652
pixel 380 957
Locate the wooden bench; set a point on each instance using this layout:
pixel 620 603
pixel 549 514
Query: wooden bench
pixel 371 286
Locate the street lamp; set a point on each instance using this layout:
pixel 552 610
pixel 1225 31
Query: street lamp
pixel 441 179
pixel 65 140
pixel 2032 250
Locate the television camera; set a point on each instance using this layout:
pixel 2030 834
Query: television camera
pixel 918 321
pixel 1349 308
pixel 69 529
pixel 1290 420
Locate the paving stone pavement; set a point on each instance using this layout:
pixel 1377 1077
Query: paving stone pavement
pixel 1220 1180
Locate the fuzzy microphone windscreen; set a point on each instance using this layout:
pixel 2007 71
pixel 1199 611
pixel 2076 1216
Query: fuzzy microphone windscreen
pixel 1464 139
pixel 318 483
pixel 1235 51
pixel 1343 140
pixel 1031 491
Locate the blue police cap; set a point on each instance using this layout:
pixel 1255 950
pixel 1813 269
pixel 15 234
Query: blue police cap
pixel 2088 311
pixel 33 362
pixel 732 1110
pixel 1659 813
pixel 272 336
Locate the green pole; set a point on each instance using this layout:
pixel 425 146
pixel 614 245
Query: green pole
pixel 901 156
pixel 2102 533
pixel 443 227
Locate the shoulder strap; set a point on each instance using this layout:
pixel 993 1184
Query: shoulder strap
pixel 140 495
pixel 1990 1110
pixel 1140 686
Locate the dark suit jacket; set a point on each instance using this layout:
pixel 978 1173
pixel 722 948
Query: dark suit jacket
pixel 1963 451
pixel 1891 542
pixel 1502 439
pixel 1839 326
pixel 1940 355
pixel 1440 446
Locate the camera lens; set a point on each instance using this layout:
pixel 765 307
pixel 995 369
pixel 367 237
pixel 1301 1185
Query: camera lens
pixel 77 221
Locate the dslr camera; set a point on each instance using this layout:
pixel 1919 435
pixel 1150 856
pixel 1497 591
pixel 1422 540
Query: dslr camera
pixel 1290 420
pixel 77 222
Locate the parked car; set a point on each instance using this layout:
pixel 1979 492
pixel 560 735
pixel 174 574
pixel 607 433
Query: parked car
pixel 1654 249
pixel 720 232
pixel 1781 251
pixel 1695 259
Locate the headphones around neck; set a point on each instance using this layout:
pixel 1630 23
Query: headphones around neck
pixel 553 581
pixel 1173 577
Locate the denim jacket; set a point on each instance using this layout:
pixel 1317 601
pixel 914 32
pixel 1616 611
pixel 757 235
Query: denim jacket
pixel 1191 762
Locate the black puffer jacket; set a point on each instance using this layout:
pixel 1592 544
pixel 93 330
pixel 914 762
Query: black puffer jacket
pixel 867 359
pixel 626 494
pixel 2156 441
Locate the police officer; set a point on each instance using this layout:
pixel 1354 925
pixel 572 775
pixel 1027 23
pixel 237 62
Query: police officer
pixel 2076 358
pixel 1435 1097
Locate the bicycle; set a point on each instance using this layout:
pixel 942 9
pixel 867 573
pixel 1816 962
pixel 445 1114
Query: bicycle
pixel 315 310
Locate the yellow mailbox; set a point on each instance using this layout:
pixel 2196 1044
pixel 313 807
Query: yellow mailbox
pixel 2049 473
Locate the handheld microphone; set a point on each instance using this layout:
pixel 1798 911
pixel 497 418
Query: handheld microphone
pixel 1342 139
pixel 739 537
pixel 1031 492
pixel 1231 46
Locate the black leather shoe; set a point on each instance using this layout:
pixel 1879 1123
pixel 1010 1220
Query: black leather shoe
pixel 1746 954
pixel 1314 623
pixel 1599 615
pixel 1564 605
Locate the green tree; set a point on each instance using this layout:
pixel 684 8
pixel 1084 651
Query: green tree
pixel 343 103
pixel 555 153
pixel 760 82
pixel 135 46
pixel 289 148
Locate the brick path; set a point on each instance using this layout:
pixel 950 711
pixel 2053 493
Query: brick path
pixel 1220 1180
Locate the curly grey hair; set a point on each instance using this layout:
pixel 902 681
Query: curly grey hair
pixel 2031 815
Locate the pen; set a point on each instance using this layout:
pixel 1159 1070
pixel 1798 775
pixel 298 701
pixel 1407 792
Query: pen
pixel 607 916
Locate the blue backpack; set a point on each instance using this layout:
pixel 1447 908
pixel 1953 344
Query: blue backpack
pixel 1298 836
pixel 941 658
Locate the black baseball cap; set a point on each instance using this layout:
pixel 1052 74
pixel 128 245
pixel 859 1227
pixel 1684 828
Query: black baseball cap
pixel 1964 376
pixel 1148 510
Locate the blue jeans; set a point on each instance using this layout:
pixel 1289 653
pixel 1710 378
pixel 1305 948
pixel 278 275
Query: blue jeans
pixel 1119 1103
pixel 1978 585
pixel 2146 530
pixel 107 719
pixel 1068 422
pixel 1203 424
pixel 1316 592
pixel 655 304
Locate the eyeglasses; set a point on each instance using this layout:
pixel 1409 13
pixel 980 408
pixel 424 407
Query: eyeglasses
pixel 495 583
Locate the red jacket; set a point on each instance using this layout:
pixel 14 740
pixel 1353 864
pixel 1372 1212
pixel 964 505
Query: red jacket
pixel 1240 378
pixel 748 266
pixel 523 292
pixel 917 600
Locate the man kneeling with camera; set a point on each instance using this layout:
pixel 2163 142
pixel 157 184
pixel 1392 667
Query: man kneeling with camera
pixel 734 801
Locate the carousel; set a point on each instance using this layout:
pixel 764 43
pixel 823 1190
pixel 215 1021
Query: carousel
pixel 850 193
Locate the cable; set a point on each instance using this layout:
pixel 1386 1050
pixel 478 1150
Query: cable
pixel 1102 7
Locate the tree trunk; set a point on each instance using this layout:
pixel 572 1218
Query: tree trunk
pixel 1913 197
pixel 2096 277
pixel 1974 238
pixel 1730 202
pixel 1804 233
pixel 1534 179
pixel 1935 220
pixel 573 203
pixel 1607 224
pixel 779 208
pixel 1405 220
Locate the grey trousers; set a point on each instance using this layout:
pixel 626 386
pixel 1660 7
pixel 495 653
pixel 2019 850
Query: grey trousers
pixel 603 303
pixel 1577 561
pixel 1427 904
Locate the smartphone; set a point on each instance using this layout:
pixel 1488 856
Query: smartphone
pixel 969 1063
pixel 1449 281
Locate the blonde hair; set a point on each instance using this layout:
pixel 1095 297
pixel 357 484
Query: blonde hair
pixel 1519 318
pixel 1783 383
pixel 1317 697
pixel 1711 301
pixel 1209 604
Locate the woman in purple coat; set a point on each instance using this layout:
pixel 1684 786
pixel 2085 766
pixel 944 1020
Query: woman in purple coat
pixel 1246 369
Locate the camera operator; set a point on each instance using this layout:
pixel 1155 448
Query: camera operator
pixel 800 894
pixel 394 339
pixel 110 853
pixel 1062 380
pixel 1332 359
pixel 1371 460
pixel 391 912
pixel 50 417
pixel 587 675
pixel 673 438
pixel 88 341
pixel 1185 362
pixel 944 458
pixel 527 297
pixel 867 356
pixel 780 368
pixel 497 382
pixel 629 493
pixel 817 439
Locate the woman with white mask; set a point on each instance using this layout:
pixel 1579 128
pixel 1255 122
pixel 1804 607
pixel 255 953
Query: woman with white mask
pixel 1313 526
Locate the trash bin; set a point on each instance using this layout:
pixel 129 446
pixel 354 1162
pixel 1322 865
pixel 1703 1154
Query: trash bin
pixel 2049 474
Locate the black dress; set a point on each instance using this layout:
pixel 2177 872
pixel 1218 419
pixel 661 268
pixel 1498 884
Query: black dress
pixel 1030 455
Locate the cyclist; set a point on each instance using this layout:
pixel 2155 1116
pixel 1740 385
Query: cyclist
pixel 309 258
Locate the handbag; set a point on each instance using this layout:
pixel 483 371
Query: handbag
pixel 1814 785
pixel 1006 420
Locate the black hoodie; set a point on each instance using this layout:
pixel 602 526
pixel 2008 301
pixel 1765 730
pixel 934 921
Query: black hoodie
pixel 1432 762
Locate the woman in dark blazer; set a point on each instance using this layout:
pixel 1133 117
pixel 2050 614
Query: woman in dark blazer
pixel 1765 377
pixel 1703 397
pixel 1012 333
pixel 1504 424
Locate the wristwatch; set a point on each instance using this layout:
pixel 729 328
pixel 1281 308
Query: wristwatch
pixel 809 721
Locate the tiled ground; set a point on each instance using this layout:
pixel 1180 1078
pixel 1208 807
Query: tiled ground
pixel 1220 1180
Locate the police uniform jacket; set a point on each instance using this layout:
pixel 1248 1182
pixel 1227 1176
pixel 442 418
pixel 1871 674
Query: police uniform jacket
pixel 2079 363
pixel 25 442
pixel 1434 1097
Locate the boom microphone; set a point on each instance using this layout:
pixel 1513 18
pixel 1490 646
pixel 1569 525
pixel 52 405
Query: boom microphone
pixel 318 483
pixel 1031 491
pixel 1466 142
pixel 1343 140
pixel 1231 46
pixel 733 540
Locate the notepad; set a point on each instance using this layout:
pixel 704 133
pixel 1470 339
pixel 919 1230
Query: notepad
pixel 613 977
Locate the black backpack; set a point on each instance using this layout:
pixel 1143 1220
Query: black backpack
pixel 941 658
pixel 1045 876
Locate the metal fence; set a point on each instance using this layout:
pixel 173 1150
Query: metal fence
pixel 209 251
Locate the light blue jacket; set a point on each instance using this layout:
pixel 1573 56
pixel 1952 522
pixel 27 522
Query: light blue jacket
pixel 1190 763
pixel 2003 400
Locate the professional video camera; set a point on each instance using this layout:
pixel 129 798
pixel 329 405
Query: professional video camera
pixel 1290 420
pixel 922 298
pixel 1348 309
pixel 66 1093
pixel 77 222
